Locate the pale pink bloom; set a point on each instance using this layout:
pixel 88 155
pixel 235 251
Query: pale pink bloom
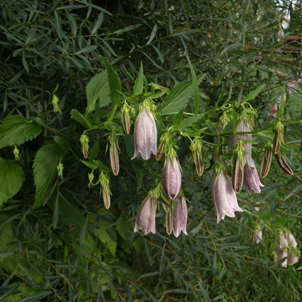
pixel 180 216
pixel 145 135
pixel 171 177
pixel 224 197
pixel 145 218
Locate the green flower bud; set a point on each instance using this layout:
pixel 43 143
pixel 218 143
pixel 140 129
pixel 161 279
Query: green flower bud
pixel 266 160
pixel 105 189
pixel 84 139
pixel 279 137
pixel 16 152
pixel 113 153
pixel 60 168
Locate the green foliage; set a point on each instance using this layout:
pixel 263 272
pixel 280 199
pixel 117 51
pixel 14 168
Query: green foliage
pixel 192 62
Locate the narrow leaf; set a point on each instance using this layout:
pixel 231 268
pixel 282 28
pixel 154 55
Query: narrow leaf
pixel 11 179
pixel 36 297
pixel 139 83
pixel 88 48
pixel 153 34
pixel 98 23
pixel 16 130
pixel 45 171
pixel 253 94
pixel 128 28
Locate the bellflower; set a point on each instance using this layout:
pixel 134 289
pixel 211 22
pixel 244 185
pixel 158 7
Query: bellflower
pixel 145 135
pixel 145 218
pixel 171 177
pixel 113 153
pixel 224 196
pixel 244 166
pixel 180 216
pixel 282 250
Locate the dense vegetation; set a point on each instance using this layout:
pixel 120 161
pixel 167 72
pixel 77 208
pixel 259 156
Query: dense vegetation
pixel 73 75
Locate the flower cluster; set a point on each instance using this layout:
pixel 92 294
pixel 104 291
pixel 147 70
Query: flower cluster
pixel 287 248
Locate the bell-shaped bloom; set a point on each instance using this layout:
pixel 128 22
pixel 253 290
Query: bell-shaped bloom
pixel 171 177
pixel 257 236
pixel 244 168
pixel 266 160
pixel 282 251
pixel 224 197
pixel 169 222
pixel 145 218
pixel 251 178
pixel 145 135
pixel 180 216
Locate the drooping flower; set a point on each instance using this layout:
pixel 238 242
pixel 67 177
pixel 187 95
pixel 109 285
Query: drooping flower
pixel 282 162
pixel 180 216
pixel 145 135
pixel 169 222
pixel 257 236
pixel 282 251
pixel 279 137
pixel 244 169
pixel 145 218
pixel 171 177
pixel 251 178
pixel 224 196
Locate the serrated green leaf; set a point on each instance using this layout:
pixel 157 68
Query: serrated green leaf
pixel 195 88
pixel 114 83
pixel 82 119
pixel 45 171
pixel 178 97
pixel 11 179
pixel 16 130
pixel 139 83
pixel 253 94
pixel 97 88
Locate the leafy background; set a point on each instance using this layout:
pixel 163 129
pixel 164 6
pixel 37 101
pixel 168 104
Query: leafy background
pixel 57 241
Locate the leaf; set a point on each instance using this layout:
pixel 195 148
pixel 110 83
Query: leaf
pixel 88 48
pixel 128 28
pixel 10 291
pixel 153 34
pixel 114 83
pixel 195 88
pixel 97 88
pixel 178 97
pixel 98 23
pixel 36 297
pixel 16 130
pixel 79 117
pixel 139 83
pixel 11 179
pixel 253 94
pixel 45 171
pixel 58 25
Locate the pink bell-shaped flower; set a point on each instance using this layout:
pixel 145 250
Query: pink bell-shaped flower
pixel 145 135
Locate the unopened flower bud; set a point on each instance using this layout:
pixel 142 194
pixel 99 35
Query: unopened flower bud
pixel 266 160
pixel 279 137
pixel 282 162
pixel 114 157
pixel 16 152
pixel 84 139
pixel 196 149
pixel 126 121
pixel 171 176
pixel 105 189
pixel 238 168
pixel 91 178
pixel 55 103
pixel 163 143
pixel 169 222
pixel 145 135
pixel 60 168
